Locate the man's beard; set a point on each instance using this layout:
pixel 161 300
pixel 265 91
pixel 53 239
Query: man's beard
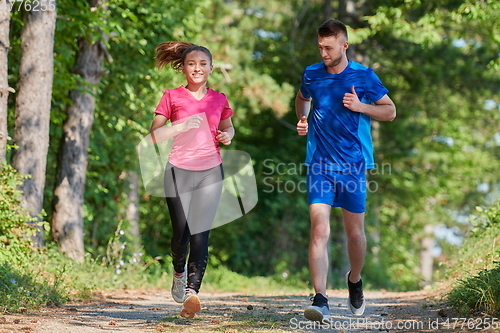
pixel 334 62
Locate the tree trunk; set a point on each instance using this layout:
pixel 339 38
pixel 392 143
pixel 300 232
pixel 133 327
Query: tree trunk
pixel 426 259
pixel 33 104
pixel 67 221
pixel 132 213
pixel 4 84
pixel 328 10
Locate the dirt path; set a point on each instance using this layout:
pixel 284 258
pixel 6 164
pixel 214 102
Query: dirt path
pixel 139 311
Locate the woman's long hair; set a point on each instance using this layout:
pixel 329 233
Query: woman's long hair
pixel 175 53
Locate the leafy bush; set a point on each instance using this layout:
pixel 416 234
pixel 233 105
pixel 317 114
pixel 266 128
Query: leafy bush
pixel 477 267
pixel 15 227
pixel 20 285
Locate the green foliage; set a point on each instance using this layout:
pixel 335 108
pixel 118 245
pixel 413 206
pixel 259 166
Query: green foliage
pixel 48 277
pixel 222 279
pixel 19 287
pixel 98 273
pixel 476 267
pixel 480 249
pixel 22 289
pixel 439 147
pixel 488 218
pixel 478 295
pixel 16 223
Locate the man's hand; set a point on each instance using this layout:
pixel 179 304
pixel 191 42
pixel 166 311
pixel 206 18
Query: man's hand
pixel 351 101
pixel 302 126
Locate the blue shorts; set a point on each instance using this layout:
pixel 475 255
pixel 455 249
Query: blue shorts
pixel 337 189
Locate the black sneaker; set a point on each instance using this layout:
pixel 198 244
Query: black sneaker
pixel 319 310
pixel 356 299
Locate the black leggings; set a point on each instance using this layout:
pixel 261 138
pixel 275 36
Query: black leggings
pixel 192 200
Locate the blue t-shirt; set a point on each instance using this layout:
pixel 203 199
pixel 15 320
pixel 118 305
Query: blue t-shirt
pixel 339 139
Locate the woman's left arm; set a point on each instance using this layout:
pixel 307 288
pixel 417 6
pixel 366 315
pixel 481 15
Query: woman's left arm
pixel 225 132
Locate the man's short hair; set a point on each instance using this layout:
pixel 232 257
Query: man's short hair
pixel 332 28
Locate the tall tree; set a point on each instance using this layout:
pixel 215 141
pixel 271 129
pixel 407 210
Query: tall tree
pixel 4 84
pixel 67 221
pixel 33 103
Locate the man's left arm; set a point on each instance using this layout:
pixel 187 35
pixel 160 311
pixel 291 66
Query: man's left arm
pixel 383 109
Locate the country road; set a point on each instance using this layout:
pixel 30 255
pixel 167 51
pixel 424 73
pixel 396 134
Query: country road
pixel 138 311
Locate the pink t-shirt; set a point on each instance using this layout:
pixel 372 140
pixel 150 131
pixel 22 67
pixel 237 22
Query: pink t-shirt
pixel 196 149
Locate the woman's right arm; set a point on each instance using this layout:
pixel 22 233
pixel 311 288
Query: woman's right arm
pixel 160 132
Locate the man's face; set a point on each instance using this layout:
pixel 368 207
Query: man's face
pixel 332 49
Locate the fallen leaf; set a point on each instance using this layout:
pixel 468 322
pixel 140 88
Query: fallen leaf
pixel 160 328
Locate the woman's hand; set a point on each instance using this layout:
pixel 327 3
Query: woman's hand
pixel 191 122
pixel 223 137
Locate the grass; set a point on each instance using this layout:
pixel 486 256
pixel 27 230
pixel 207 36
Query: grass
pixel 476 268
pixel 21 290
pixel 222 279
pixel 250 321
pixel 478 295
pixel 259 318
pixel 49 278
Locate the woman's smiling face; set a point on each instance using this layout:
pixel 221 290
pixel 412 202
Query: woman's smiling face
pixel 197 67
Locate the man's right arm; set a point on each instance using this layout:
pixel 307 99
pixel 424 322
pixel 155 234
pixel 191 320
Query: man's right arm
pixel 302 108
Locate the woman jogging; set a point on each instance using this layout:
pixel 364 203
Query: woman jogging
pixel 200 120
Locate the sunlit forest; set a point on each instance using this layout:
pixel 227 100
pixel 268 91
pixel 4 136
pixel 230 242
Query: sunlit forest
pixel 79 90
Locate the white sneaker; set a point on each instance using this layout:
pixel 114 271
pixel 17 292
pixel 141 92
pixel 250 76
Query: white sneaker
pixel 191 304
pixel 319 310
pixel 356 300
pixel 179 287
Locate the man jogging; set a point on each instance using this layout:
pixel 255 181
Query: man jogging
pixel 345 96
